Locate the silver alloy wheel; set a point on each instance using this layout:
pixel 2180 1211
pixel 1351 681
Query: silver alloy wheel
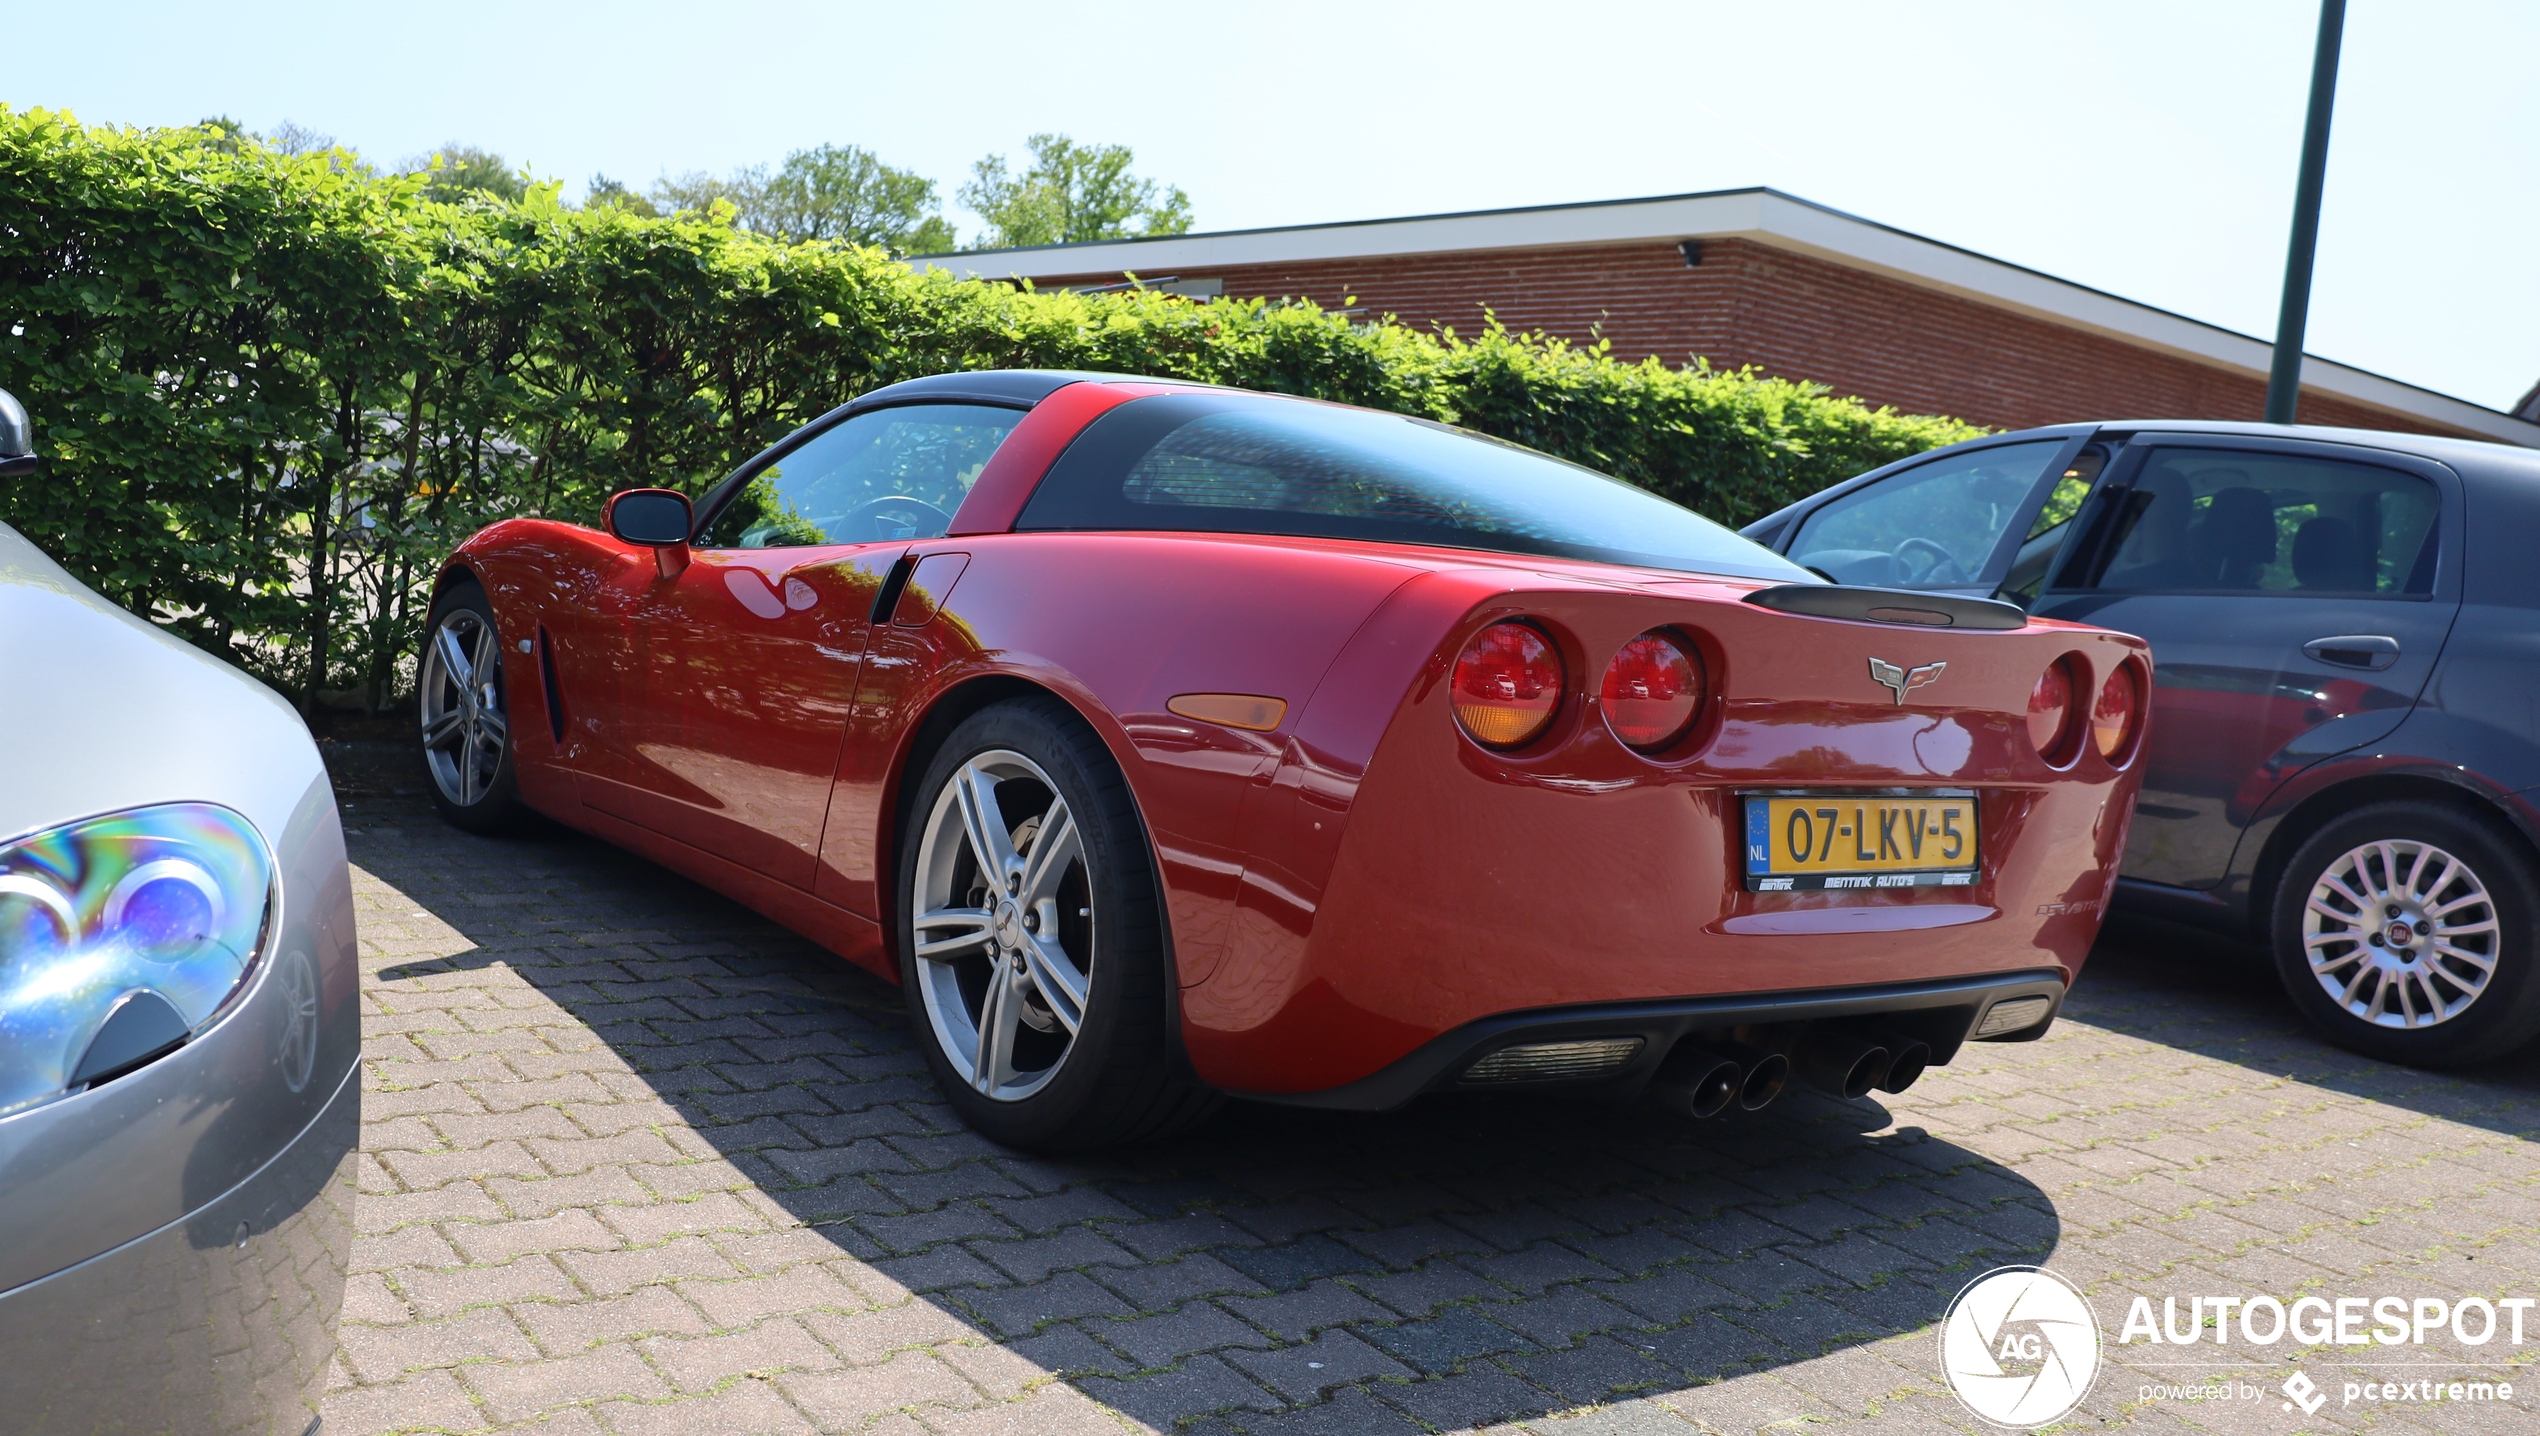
pixel 300 1024
pixel 462 705
pixel 1004 924
pixel 2401 934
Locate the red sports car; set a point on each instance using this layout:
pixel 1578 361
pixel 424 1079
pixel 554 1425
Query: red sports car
pixel 1164 741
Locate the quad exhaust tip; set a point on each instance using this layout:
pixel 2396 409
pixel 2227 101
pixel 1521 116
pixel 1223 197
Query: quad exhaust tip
pixel 1851 1062
pixel 1907 1059
pixel 1767 1073
pixel 1702 1081
pixel 1841 1066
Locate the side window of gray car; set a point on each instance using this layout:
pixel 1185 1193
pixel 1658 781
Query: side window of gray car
pixel 1933 526
pixel 2244 521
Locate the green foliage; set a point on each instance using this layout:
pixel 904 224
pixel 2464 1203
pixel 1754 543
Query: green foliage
pixel 456 171
pixel 1072 192
pixel 606 193
pixel 844 193
pixel 273 391
pixel 294 138
pixel 834 192
pixel 697 192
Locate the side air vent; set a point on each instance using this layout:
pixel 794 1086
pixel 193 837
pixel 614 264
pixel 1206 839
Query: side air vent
pixel 547 685
pixel 1888 605
pixel 886 599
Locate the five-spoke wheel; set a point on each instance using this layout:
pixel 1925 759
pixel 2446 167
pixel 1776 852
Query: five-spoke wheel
pixel 467 750
pixel 1004 924
pixel 1032 946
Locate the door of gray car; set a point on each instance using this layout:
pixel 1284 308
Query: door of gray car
pixel 2295 596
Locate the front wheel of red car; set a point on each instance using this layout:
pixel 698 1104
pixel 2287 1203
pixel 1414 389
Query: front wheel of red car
pixel 2405 931
pixel 461 699
pixel 1032 945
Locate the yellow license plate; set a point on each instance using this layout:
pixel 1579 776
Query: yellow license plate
pixel 1805 843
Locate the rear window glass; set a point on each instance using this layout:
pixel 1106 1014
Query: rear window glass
pixel 1231 463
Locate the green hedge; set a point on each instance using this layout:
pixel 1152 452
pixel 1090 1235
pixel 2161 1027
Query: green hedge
pixel 273 391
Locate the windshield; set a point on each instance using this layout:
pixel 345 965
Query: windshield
pixel 1238 463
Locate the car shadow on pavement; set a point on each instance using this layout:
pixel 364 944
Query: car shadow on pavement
pixel 749 1118
pixel 2216 997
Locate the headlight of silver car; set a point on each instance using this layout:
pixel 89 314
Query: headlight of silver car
pixel 121 937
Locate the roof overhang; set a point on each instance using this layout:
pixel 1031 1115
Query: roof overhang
pixel 1762 216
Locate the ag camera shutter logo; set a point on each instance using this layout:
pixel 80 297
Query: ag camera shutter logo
pixel 2020 1347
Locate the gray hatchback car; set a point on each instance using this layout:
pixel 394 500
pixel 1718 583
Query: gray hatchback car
pixel 178 1033
pixel 2344 750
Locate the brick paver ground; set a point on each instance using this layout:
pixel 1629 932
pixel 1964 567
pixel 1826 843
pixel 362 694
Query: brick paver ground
pixel 637 1161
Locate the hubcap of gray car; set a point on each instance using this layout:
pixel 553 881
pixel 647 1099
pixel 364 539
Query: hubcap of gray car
pixel 1004 925
pixel 462 705
pixel 2401 934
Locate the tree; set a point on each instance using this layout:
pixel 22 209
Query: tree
pixel 1071 193
pixel 834 192
pixel 293 138
pixel 223 133
pixel 457 171
pixel 841 192
pixel 606 193
pixel 696 190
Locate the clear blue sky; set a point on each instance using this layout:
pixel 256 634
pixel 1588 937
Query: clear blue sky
pixel 2145 148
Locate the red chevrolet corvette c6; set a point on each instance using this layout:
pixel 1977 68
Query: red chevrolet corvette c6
pixel 1164 742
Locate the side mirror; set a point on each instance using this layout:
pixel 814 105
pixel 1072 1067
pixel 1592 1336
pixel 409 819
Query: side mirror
pixel 656 518
pixel 17 439
pixel 659 519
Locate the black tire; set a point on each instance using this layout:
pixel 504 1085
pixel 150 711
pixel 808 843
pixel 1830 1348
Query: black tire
pixel 483 795
pixel 1116 1079
pixel 2433 1008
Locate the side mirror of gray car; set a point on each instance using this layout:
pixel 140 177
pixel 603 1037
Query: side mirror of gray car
pixel 17 438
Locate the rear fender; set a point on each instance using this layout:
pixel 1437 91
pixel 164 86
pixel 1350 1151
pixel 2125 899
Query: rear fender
pixel 2318 793
pixel 1143 619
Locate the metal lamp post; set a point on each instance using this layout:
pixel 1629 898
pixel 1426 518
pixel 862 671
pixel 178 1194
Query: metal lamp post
pixel 2284 378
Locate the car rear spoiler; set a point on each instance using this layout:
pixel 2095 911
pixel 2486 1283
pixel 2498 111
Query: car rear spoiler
pixel 1889 605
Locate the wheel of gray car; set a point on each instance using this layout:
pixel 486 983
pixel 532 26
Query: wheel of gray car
pixel 2404 931
pixel 467 746
pixel 1032 946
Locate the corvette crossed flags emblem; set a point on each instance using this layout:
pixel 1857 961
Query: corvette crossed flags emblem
pixel 1901 681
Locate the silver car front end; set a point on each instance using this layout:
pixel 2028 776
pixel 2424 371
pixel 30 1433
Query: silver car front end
pixel 173 1237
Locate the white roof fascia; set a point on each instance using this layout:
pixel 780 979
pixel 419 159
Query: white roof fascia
pixel 1763 217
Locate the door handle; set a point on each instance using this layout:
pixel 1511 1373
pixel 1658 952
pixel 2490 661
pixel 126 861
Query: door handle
pixel 2355 650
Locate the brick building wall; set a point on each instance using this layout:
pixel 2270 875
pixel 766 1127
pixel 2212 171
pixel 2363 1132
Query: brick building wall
pixel 1859 333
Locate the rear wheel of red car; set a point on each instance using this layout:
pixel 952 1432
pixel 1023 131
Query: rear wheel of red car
pixel 1032 945
pixel 2404 931
pixel 467 745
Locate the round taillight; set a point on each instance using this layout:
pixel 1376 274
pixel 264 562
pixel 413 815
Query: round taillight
pixel 2120 707
pixel 2050 711
pixel 1507 685
pixel 1652 690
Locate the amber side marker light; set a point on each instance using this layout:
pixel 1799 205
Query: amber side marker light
pixel 2050 713
pixel 2119 709
pixel 1507 685
pixel 1652 691
pixel 1249 711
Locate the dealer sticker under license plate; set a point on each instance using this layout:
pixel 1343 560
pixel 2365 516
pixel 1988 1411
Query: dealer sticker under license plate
pixel 1802 844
